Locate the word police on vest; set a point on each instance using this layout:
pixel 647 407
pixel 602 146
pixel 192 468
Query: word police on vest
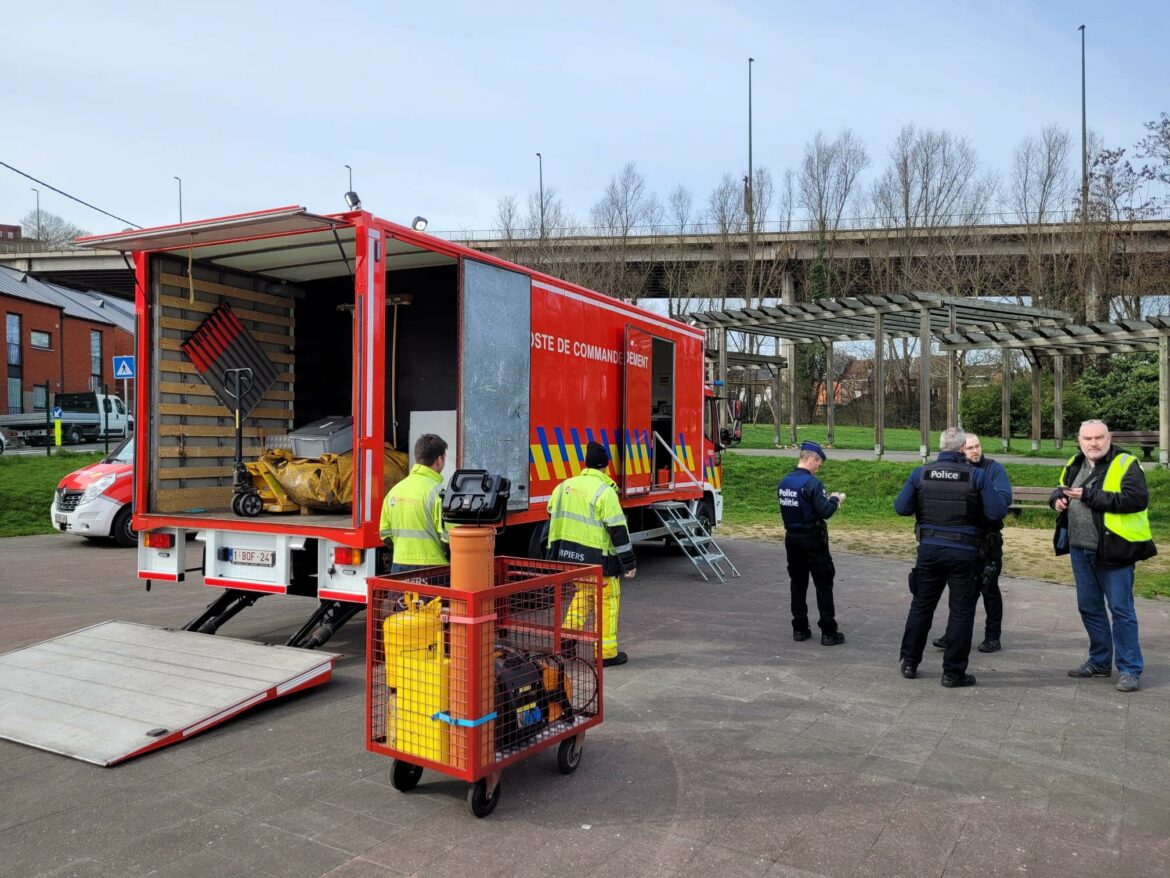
pixel 950 475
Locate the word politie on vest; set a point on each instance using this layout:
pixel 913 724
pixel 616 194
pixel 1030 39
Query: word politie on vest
pixel 788 497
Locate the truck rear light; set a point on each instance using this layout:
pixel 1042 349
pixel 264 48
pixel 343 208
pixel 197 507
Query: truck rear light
pixel 158 540
pixel 346 556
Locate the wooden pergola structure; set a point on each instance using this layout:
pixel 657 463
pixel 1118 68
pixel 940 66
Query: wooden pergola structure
pixel 1060 340
pixel 928 317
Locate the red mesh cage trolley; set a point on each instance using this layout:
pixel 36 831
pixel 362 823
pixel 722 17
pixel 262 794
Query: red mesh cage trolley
pixel 466 682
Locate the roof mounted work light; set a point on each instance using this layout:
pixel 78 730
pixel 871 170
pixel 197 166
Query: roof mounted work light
pixel 351 198
pixel 419 223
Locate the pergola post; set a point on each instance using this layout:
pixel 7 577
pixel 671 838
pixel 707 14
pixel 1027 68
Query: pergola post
pixel 776 395
pixel 879 386
pixel 1163 401
pixel 830 396
pixel 723 361
pixel 952 373
pixel 924 384
pixel 1034 361
pixel 1058 401
pixel 1005 414
pixel 788 297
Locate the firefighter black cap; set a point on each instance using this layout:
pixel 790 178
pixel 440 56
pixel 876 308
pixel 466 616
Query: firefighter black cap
pixel 596 457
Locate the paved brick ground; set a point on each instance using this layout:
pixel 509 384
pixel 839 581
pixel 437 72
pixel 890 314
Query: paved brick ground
pixel 727 749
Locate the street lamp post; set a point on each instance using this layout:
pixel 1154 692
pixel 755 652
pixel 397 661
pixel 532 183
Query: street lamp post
pixel 748 206
pixel 38 191
pixel 1084 134
pixel 180 179
pixel 540 166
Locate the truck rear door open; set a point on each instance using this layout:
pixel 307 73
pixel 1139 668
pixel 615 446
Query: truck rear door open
pixel 495 372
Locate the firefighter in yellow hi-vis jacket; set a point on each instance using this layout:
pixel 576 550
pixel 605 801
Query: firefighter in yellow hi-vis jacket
pixel 587 526
pixel 412 513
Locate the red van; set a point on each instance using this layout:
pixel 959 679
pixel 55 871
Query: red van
pixel 96 500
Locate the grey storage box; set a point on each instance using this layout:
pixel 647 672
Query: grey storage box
pixel 332 435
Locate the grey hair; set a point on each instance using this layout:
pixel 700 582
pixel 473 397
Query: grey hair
pixel 808 455
pixel 1092 422
pixel 952 439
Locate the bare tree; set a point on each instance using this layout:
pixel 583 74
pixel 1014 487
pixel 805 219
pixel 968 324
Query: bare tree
pixel 1156 146
pixel 826 185
pixel 49 229
pixel 625 208
pixel 786 201
pixel 680 207
pixel 828 178
pixel 929 196
pixel 1040 187
pixel 626 204
pixel 1040 191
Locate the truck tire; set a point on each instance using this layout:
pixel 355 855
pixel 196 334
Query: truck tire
pixel 74 437
pixel 122 531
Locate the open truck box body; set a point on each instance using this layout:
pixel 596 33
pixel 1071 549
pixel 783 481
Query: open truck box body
pixel 407 333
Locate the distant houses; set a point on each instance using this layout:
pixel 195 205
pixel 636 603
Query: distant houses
pixel 58 340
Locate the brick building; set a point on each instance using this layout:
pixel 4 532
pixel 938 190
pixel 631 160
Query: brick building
pixel 9 234
pixel 60 336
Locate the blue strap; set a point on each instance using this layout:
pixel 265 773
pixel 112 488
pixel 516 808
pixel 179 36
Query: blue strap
pixel 466 723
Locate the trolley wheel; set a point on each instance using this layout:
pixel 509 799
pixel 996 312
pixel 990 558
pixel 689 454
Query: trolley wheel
pixel 251 505
pixel 236 504
pixel 478 800
pixel 404 776
pixel 569 755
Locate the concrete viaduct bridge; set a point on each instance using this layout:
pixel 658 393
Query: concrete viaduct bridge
pixel 652 253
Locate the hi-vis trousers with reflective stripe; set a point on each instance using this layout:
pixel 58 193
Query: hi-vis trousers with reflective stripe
pixel 583 603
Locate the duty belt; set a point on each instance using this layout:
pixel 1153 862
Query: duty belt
pixel 972 540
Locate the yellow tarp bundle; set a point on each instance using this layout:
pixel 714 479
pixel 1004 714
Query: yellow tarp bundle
pixel 327 482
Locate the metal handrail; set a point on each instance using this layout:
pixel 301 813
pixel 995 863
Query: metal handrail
pixel 676 458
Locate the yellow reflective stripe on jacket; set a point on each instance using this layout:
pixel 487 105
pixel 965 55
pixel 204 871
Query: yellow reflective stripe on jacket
pixel 1133 527
pixel 581 507
pixel 412 518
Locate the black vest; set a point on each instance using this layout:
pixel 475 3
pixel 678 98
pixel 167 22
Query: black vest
pixel 947 498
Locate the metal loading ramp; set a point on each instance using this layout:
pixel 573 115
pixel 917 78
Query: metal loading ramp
pixel 116 690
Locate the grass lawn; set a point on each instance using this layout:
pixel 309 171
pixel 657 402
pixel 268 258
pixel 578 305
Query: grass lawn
pixel 27 483
pixel 867 523
pixel 897 439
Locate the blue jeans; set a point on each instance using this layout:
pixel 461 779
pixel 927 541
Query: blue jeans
pixel 1096 589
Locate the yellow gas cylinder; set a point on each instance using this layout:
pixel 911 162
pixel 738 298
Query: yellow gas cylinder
pixel 416 627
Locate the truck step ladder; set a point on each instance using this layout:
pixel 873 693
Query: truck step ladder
pixel 694 539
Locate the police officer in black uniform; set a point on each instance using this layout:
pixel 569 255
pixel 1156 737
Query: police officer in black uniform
pixel 954 504
pixel 805 506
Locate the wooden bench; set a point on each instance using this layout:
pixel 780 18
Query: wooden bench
pixel 1146 440
pixel 1030 498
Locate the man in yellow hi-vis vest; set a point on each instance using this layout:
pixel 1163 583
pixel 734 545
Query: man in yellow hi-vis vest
pixel 1104 528
pixel 412 517
pixel 587 526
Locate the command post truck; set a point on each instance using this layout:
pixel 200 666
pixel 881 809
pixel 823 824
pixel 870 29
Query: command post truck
pixel 407 333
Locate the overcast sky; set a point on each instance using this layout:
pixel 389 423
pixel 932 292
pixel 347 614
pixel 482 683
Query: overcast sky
pixel 441 107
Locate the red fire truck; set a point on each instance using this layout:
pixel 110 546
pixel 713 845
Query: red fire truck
pixel 348 314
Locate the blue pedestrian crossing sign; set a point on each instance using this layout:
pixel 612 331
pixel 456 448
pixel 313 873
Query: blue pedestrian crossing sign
pixel 123 367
